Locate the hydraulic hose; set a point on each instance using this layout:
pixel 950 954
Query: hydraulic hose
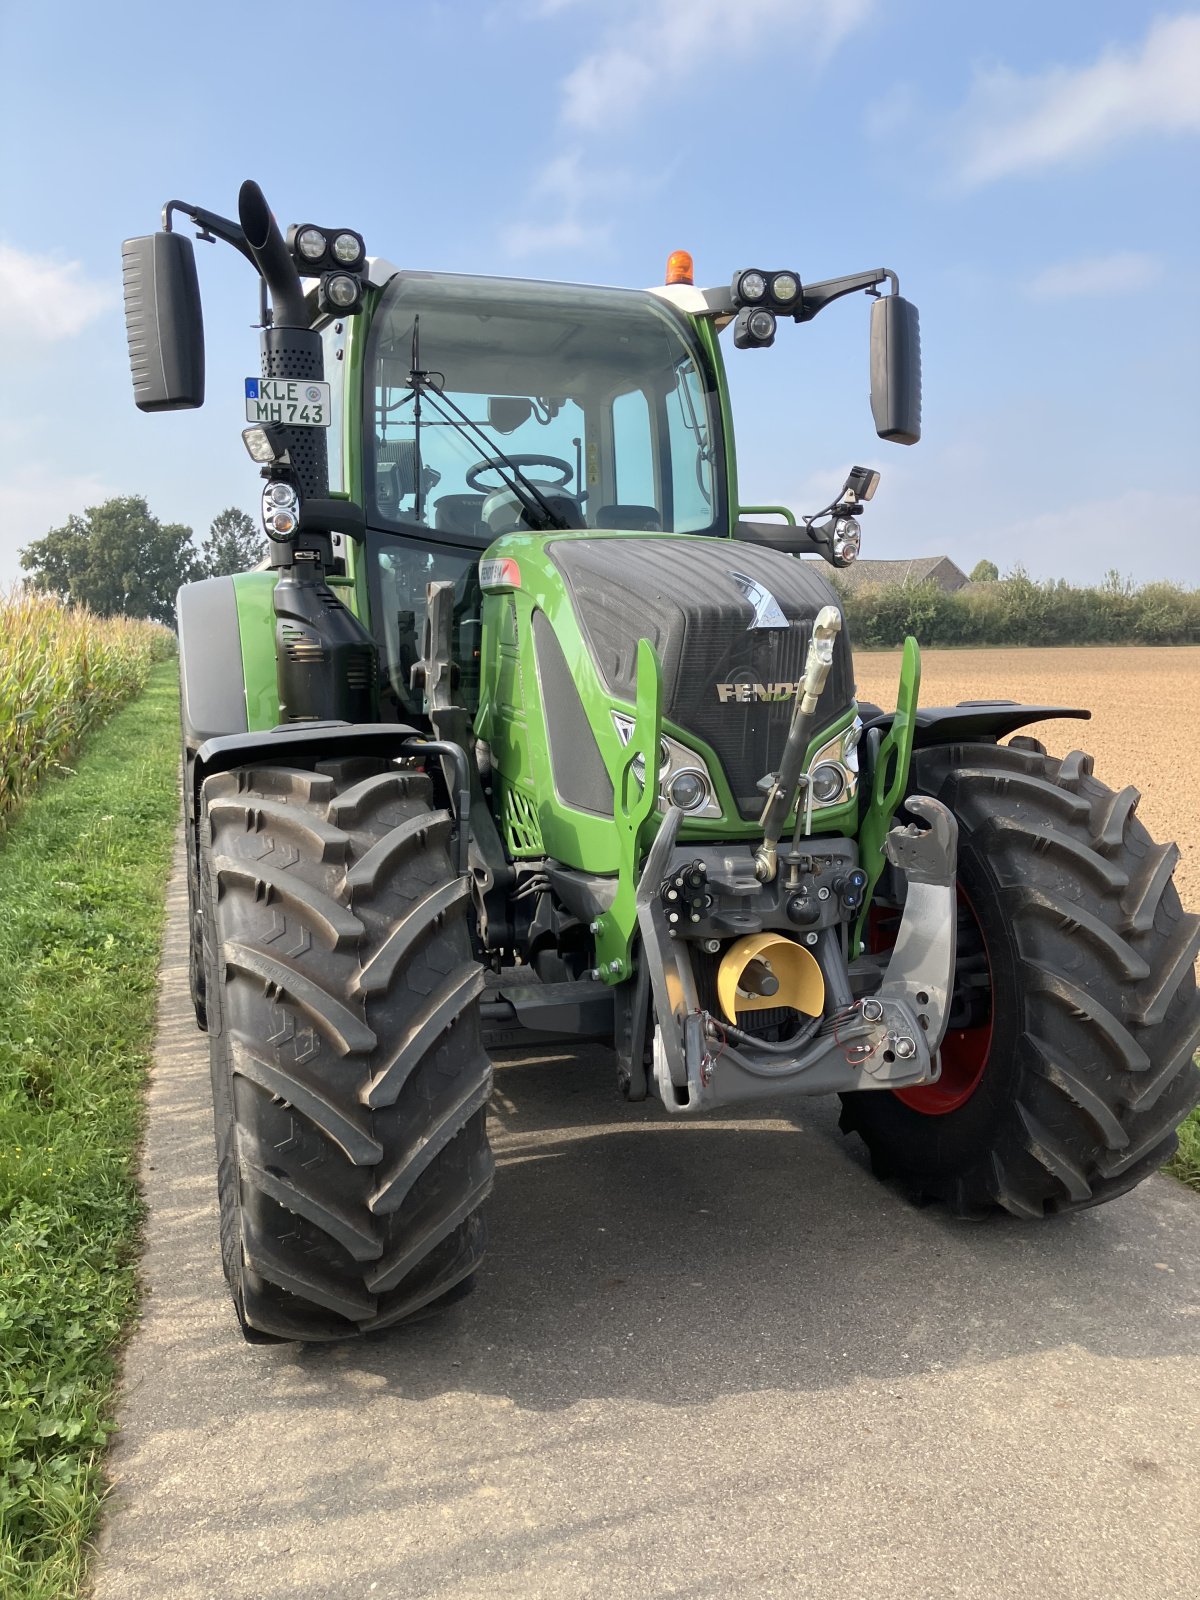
pixel 782 795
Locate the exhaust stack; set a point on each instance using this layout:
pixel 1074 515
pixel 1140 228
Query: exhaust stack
pixel 271 257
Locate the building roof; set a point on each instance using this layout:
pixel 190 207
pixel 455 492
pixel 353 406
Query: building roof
pixel 919 569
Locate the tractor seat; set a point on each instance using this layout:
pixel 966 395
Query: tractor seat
pixel 460 513
pixel 644 519
pixel 401 454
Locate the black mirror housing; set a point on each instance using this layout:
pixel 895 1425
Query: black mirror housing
pixel 896 369
pixel 506 413
pixel 164 325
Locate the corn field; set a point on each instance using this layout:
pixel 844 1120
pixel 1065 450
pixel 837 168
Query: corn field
pixel 62 670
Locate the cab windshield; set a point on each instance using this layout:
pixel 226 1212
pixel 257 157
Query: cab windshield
pixel 498 406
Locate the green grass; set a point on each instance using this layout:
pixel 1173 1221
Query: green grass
pixel 82 873
pixel 1186 1164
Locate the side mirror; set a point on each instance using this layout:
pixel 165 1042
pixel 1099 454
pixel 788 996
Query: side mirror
pixel 164 326
pixel 896 369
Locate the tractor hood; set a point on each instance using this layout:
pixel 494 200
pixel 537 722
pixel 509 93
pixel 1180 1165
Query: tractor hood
pixel 722 617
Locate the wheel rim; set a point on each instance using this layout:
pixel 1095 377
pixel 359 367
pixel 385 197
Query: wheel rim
pixel 966 1050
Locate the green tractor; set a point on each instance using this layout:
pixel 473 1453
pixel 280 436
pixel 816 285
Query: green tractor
pixel 527 729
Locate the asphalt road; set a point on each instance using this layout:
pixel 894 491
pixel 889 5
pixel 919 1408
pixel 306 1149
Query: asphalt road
pixel 705 1358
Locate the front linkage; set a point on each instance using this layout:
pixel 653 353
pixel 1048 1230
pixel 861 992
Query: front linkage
pixel 885 1039
pixel 789 915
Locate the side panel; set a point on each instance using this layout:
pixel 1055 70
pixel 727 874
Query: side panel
pixel 212 683
pixel 256 624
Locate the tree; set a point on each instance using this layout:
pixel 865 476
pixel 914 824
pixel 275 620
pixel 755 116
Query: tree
pixel 118 559
pixel 234 544
pixel 985 572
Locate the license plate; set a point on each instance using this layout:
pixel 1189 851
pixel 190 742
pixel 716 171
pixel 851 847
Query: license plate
pixel 292 402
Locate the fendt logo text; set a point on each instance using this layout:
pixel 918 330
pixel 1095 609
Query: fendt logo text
pixel 743 693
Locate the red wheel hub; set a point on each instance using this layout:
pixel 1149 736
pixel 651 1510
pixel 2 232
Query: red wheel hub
pixel 965 1051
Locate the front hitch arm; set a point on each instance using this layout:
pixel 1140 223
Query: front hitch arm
pixel 921 968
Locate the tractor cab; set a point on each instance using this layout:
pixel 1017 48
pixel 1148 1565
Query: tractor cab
pixel 498 406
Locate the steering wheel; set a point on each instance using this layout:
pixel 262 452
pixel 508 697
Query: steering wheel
pixel 498 464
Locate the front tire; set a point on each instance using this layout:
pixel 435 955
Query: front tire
pixel 349 1077
pixel 1076 994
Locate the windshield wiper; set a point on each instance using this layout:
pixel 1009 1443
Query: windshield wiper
pixel 533 502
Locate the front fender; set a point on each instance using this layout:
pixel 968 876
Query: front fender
pixel 974 720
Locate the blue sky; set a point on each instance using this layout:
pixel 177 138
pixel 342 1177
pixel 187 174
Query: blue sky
pixel 1030 171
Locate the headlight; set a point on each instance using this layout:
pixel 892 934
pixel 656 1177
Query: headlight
pixel 833 770
pixel 280 510
pixel 828 783
pixel 683 778
pixel 311 243
pixel 687 789
pixel 847 541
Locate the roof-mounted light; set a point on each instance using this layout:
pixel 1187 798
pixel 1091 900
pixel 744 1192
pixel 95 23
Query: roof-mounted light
pixel 749 287
pixel 754 328
pixel 311 244
pixel 340 293
pixel 781 292
pixel 785 288
pixel 348 248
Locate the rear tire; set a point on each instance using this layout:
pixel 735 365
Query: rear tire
pixel 349 1077
pixel 1092 1000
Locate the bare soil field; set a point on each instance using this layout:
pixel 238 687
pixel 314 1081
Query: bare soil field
pixel 1143 729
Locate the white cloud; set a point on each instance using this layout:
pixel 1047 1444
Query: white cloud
pixel 1120 273
pixel 35 498
pixel 656 46
pixel 566 197
pixel 1013 124
pixel 652 47
pixel 562 235
pixel 45 300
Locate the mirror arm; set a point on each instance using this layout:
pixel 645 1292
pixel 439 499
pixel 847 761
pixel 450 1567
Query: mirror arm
pixel 211 226
pixel 818 295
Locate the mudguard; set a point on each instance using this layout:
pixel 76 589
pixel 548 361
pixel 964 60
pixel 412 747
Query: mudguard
pixel 974 719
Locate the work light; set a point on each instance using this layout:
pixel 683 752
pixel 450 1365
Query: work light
pixel 754 328
pixel 311 244
pixel 264 444
pixel 348 249
pixel 749 286
pixel 340 292
pixel 785 288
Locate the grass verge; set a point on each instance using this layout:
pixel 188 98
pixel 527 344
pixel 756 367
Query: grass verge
pixel 82 874
pixel 1186 1164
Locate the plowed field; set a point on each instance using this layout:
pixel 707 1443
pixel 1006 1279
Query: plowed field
pixel 1145 726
